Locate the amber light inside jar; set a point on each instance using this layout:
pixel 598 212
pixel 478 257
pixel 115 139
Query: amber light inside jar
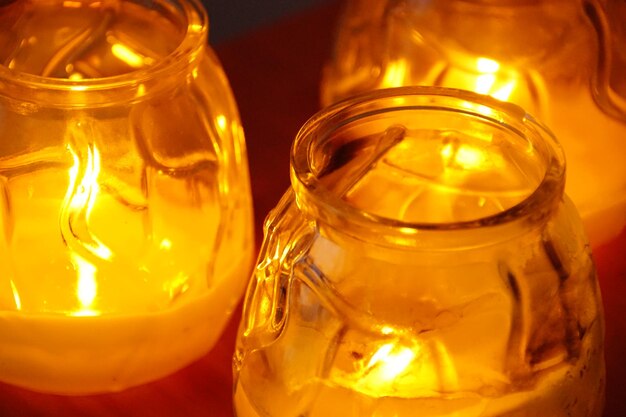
pixel 96 53
pixel 518 56
pixel 424 159
pixel 126 218
pixel 425 262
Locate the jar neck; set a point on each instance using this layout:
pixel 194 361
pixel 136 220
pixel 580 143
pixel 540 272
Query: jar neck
pixel 394 166
pixel 99 54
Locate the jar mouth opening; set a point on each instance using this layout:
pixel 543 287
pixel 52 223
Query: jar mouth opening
pixel 194 24
pixel 408 160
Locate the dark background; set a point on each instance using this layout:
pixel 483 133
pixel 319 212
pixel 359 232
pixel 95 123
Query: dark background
pixel 229 19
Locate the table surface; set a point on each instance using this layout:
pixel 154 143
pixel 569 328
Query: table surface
pixel 275 74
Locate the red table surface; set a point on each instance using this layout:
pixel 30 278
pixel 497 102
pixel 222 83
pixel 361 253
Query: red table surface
pixel 275 74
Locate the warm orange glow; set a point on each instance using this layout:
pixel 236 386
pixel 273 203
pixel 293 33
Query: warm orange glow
pixel 464 156
pixel 177 285
pixel 486 65
pixel 388 362
pixel 395 73
pixel 16 296
pixel 127 55
pixel 78 87
pixel 115 263
pixel 387 330
pixel 72 4
pixel 489 82
pixel 195 27
pixel 484 83
pixel 488 78
pixel 82 193
pixel 80 199
pixel 86 287
pixel 166 244
pixel 404 369
pixel 486 69
pixel 221 122
pixel 504 92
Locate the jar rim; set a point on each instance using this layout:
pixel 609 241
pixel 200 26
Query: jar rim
pixel 314 197
pixel 194 39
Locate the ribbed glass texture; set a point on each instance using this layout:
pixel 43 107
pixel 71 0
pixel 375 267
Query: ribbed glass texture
pixel 561 60
pixel 125 206
pixel 424 262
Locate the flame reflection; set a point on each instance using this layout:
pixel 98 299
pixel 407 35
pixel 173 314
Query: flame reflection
pixel 80 199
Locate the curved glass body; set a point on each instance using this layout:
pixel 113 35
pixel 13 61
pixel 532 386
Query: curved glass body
pixel 125 209
pixel 562 60
pixel 424 262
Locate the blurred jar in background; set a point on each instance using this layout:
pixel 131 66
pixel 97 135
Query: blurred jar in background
pixel 561 60
pixel 125 208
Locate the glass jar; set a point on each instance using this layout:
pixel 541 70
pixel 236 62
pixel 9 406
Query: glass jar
pixel 424 262
pixel 126 220
pixel 561 60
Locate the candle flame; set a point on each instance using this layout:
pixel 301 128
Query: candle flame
pixel 487 80
pixel 389 361
pixel 86 287
pixel 486 65
pixel 82 196
pixel 486 76
pixel 407 369
pixel 85 249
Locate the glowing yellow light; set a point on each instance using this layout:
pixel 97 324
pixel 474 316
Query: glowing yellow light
pixel 16 296
pixel 166 244
pixel 487 66
pixel 72 4
pixel 469 157
pixel 395 74
pixel 484 83
pixel 221 122
pixel 195 27
pixel 405 369
pixel 81 195
pixel 78 87
pixel 389 361
pixel 127 55
pixel 446 153
pixel 75 76
pixel 141 90
pixel 487 80
pixel 177 286
pixel 86 287
pixel 463 156
pixel 386 330
pixel 504 92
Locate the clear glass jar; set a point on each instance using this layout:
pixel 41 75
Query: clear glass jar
pixel 424 262
pixel 126 220
pixel 561 60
